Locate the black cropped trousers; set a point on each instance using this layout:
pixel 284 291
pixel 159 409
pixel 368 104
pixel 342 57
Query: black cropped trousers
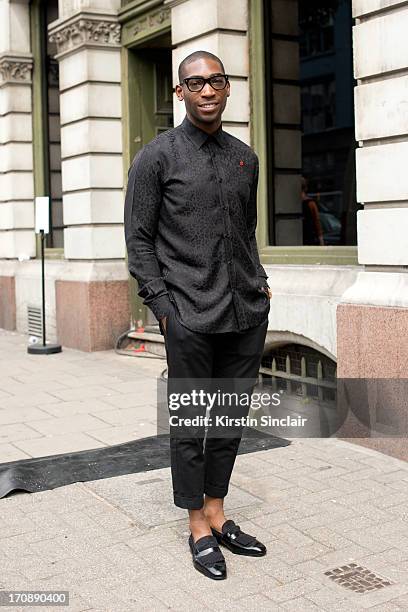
pixel 202 464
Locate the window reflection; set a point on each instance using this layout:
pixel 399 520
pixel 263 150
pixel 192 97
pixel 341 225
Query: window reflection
pixel 309 97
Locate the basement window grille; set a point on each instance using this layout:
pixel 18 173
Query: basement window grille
pixel 300 371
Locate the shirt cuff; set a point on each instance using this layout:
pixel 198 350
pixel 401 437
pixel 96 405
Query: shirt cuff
pixel 160 306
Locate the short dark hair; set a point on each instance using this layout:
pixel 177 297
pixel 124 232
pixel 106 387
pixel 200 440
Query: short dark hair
pixel 194 56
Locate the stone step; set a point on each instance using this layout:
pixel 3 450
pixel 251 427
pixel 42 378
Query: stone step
pixel 153 341
pixel 147 336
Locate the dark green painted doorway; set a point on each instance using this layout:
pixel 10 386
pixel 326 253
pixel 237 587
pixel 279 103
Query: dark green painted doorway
pixel 148 111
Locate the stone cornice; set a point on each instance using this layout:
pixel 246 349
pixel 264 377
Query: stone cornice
pixel 15 69
pixel 85 29
pixel 172 3
pixel 143 26
pixel 151 20
pixel 136 8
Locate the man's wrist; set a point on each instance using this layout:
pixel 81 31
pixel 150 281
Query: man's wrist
pixel 160 306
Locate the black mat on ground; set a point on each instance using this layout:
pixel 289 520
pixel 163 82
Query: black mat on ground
pixel 44 473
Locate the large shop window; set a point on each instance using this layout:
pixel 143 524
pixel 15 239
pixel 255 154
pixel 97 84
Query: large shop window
pixel 310 123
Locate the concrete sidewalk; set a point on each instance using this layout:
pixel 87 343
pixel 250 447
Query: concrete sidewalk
pixel 333 515
pixel 120 544
pixel 72 401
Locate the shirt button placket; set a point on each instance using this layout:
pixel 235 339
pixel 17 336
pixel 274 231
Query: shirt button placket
pixel 229 251
pixel 227 235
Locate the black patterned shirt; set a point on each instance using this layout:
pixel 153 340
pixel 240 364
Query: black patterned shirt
pixel 190 220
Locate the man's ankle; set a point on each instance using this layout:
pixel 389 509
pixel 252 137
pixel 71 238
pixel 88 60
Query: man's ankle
pixel 199 525
pixel 214 512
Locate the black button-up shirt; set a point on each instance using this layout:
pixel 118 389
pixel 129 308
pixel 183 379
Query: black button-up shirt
pixel 190 220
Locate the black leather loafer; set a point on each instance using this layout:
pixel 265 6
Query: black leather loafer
pixel 208 558
pixel 239 542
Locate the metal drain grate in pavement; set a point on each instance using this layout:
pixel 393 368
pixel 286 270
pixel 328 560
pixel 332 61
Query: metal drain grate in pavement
pixel 357 578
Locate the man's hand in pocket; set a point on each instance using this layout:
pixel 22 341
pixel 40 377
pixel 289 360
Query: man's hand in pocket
pixel 268 291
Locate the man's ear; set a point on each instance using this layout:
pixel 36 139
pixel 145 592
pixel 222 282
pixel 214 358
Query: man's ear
pixel 179 93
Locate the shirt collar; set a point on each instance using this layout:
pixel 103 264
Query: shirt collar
pixel 199 137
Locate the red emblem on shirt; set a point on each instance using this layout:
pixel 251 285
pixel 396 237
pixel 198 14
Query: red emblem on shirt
pixel 241 163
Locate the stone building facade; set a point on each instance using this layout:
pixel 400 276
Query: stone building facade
pixel 85 83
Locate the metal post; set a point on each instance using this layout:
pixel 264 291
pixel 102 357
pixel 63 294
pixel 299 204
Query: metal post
pixel 44 348
pixel 43 285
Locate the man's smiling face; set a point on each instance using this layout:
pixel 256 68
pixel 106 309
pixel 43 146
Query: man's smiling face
pixel 206 106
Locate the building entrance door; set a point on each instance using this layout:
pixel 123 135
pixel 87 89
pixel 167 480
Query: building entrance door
pixel 148 106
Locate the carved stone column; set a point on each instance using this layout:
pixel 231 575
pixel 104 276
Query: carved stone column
pixel 372 318
pixel 88 48
pixel 91 295
pixel 375 308
pixel 16 163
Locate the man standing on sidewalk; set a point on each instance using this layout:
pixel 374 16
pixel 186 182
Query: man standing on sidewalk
pixel 190 220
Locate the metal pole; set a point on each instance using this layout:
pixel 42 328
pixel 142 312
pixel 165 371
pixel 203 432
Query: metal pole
pixel 43 285
pixel 44 349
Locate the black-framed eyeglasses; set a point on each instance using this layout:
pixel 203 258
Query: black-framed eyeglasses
pixel 218 81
